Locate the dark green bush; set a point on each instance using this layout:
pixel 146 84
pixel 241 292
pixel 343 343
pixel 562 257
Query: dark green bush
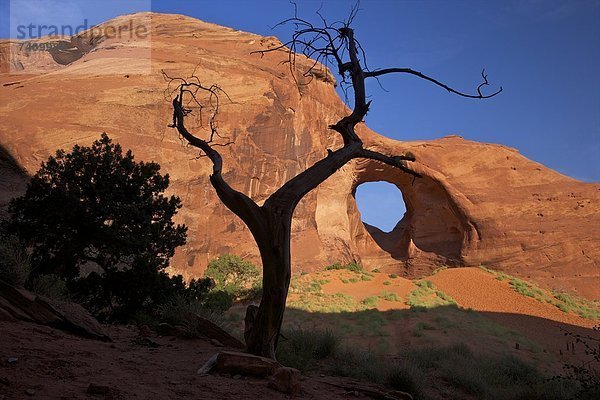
pixel 119 295
pixel 15 261
pixel 97 207
pixel 51 286
pixel 218 300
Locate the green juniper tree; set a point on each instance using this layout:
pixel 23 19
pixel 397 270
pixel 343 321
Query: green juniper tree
pixel 99 208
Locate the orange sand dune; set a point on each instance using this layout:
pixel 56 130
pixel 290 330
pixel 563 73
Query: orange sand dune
pixel 477 289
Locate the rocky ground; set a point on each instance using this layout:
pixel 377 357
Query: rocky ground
pixel 41 362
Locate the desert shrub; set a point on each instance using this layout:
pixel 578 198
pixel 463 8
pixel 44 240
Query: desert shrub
pixel 181 311
pixel 365 365
pixel 51 286
pixel 15 261
pixel 563 301
pixel 359 364
pixel 584 377
pixel 218 300
pixel 426 296
pixel 420 327
pixel 354 267
pixel 371 302
pixel 584 308
pixel 390 296
pixel 198 289
pixel 393 276
pixel 301 348
pixel 235 276
pixel 405 377
pixel 119 295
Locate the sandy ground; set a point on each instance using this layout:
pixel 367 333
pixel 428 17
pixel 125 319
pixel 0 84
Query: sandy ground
pixel 542 322
pixel 542 325
pixel 363 289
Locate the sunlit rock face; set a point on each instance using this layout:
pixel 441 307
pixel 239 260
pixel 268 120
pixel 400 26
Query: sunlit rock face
pixel 475 204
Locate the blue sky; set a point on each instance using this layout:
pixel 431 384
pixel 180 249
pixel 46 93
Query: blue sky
pixel 545 53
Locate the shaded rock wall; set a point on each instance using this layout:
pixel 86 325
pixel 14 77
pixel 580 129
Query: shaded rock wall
pixel 476 204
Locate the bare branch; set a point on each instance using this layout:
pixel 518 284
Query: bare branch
pixel 244 206
pixel 479 95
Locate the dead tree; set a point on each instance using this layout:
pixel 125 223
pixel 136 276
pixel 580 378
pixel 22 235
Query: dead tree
pixel 270 224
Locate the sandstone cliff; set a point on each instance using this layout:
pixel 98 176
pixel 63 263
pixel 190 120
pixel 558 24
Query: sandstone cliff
pixel 476 204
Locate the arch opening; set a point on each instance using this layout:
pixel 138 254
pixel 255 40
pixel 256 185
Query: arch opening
pixel 380 204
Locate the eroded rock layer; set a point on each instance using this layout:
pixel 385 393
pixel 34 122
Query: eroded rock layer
pixel 476 203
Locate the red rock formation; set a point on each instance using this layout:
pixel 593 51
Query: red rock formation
pixel 476 204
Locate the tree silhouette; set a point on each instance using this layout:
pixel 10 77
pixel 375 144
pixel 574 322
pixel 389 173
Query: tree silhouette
pixel 96 204
pixel 270 224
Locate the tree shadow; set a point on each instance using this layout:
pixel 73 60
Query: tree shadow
pixel 390 333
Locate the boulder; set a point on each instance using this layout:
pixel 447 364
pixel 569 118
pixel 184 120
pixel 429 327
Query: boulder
pixel 215 332
pixel 230 362
pixel 286 380
pixel 21 304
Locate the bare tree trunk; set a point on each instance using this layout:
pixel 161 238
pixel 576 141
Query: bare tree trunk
pixel 263 327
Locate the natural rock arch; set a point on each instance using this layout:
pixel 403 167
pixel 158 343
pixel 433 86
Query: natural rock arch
pixel 434 227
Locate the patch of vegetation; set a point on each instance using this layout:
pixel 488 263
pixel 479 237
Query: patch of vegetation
pixel 419 371
pixel 365 278
pixel 354 267
pixel 15 261
pixel 390 296
pixel 393 276
pixel 365 365
pixel 565 302
pixel 376 270
pixel 305 286
pixel 582 307
pixel 420 327
pixel 235 276
pixel 302 349
pixel 371 302
pixel 435 271
pixel 426 296
pixel 325 303
pixel 353 280
pixel 51 286
pixel 526 289
pixel 444 322
pixel 387 283
pixel 445 297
